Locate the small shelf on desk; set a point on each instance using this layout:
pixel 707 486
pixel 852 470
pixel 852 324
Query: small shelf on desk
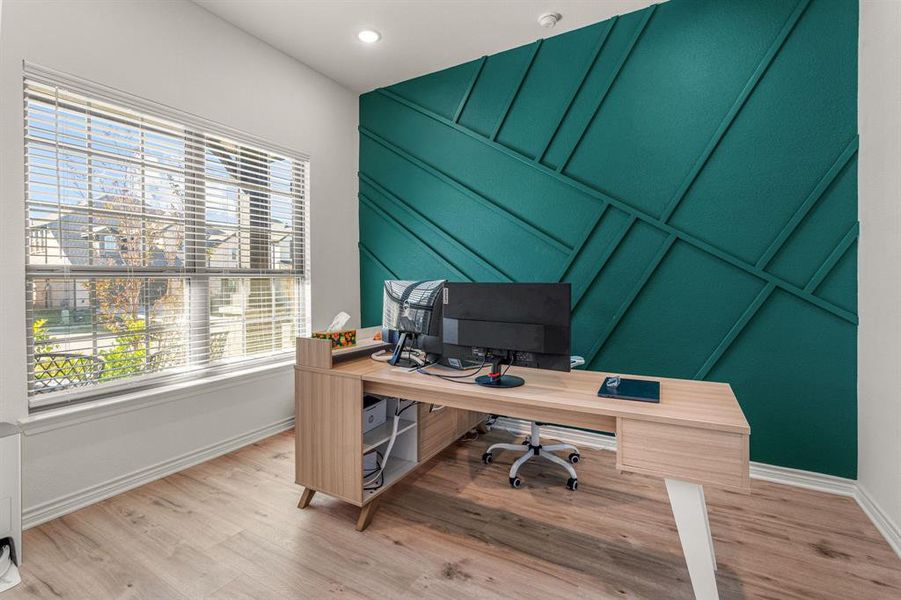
pixel 394 472
pixel 379 435
pixel 360 346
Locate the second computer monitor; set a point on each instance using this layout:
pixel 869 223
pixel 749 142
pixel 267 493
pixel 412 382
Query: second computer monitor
pixel 523 324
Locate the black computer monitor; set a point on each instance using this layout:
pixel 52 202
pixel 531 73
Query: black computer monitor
pixel 523 324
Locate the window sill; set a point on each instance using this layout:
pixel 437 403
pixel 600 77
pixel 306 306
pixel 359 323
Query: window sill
pixel 127 402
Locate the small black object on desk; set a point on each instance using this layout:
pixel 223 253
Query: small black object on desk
pixel 630 389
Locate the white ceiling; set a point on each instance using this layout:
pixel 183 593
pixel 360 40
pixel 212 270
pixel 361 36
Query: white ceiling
pixel 418 36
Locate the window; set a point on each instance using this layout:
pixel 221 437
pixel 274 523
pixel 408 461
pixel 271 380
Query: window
pixel 159 246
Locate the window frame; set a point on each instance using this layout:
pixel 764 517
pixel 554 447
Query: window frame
pixel 197 274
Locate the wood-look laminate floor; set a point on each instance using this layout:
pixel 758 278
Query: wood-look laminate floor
pixel 230 529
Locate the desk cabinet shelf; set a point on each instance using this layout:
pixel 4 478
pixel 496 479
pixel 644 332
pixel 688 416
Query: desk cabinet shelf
pixel 379 436
pixel 329 438
pixel 394 472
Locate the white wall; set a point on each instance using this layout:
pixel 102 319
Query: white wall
pixel 176 53
pixel 879 336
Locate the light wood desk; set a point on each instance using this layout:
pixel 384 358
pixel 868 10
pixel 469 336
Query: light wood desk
pixel 697 435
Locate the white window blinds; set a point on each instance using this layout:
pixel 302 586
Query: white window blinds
pixel 156 246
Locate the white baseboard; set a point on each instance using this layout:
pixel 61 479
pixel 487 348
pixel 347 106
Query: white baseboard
pixel 808 480
pixel 784 475
pixel 883 523
pixel 46 511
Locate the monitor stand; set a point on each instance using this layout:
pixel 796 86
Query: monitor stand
pixel 397 359
pixel 496 380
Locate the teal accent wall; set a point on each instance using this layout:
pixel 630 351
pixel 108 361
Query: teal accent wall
pixel 691 170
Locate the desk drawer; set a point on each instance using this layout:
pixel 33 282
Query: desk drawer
pixel 693 454
pixel 437 429
pixel 468 419
pixel 443 426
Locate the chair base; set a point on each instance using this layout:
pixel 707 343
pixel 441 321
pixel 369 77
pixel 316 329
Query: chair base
pixel 535 449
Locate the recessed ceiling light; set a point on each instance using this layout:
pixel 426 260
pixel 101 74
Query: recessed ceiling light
pixel 369 36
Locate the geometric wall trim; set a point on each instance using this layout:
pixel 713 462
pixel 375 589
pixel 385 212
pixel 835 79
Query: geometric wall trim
pixel 689 168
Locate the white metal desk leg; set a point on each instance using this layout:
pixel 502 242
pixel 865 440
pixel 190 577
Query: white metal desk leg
pixel 690 511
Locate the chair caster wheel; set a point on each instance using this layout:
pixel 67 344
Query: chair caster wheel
pixel 572 484
pixel 526 442
pixel 574 457
pixel 487 458
pixel 515 482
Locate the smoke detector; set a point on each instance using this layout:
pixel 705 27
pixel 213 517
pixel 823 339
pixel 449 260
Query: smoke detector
pixel 548 20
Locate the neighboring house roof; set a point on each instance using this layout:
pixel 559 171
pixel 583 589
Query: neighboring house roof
pixel 73 234
pixel 76 240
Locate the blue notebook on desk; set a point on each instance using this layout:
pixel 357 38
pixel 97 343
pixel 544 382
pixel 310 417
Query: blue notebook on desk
pixel 630 389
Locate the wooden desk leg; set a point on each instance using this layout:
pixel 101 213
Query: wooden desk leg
pixel 690 511
pixel 366 514
pixel 306 497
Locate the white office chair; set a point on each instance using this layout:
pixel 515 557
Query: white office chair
pixel 533 442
